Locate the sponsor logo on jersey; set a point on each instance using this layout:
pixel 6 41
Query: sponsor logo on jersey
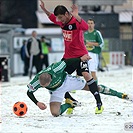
pixel 56 84
pixel 70 27
pixel 67 35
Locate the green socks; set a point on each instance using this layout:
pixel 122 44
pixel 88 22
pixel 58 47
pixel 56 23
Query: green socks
pixel 64 107
pixel 96 82
pixel 108 91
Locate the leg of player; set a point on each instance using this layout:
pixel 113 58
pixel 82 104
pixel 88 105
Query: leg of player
pixel 69 97
pixel 92 86
pixel 57 109
pixel 108 91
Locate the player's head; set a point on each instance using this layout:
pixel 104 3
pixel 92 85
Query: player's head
pixel 91 23
pixel 43 38
pixel 34 33
pixel 24 41
pixel 45 79
pixel 91 19
pixel 62 14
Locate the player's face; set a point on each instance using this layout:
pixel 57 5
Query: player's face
pixel 91 24
pixel 63 18
pixel 34 34
pixel 43 39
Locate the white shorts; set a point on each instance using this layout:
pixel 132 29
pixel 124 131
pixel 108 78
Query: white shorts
pixel 70 83
pixel 93 63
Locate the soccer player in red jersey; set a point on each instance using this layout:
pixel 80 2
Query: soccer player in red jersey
pixel 73 26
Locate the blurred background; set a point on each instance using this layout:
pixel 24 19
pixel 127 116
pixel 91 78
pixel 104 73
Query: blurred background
pixel 18 18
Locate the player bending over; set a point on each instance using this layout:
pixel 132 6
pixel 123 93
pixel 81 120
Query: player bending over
pixel 58 81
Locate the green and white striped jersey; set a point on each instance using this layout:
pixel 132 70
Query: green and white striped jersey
pixel 56 70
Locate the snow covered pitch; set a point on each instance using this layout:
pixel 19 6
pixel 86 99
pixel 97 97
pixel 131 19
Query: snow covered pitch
pixel 117 116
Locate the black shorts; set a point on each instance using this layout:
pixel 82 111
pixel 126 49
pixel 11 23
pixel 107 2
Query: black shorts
pixel 79 67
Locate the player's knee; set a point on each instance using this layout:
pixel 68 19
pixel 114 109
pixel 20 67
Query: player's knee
pixel 86 76
pixel 55 108
pixel 55 113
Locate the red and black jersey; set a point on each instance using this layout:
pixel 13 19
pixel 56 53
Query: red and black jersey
pixel 73 37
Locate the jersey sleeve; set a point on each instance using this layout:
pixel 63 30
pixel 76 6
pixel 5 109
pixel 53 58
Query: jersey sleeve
pixel 32 97
pixel 85 37
pixel 100 39
pixel 32 87
pixel 34 84
pixel 52 17
pixel 82 25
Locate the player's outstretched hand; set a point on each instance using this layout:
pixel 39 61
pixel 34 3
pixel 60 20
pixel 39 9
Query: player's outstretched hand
pixel 42 4
pixel 41 105
pixel 74 11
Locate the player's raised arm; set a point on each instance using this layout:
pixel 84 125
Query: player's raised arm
pixel 42 5
pixel 74 12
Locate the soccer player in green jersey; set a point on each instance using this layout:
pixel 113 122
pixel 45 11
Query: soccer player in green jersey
pixel 58 81
pixel 94 43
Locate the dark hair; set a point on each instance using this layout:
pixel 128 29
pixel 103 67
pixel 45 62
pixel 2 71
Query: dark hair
pixel 90 19
pixel 60 10
pixel 24 41
pixel 43 37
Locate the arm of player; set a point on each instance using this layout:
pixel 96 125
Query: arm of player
pixel 42 5
pixel 41 105
pixel 82 24
pixel 50 15
pixel 74 12
pixel 92 44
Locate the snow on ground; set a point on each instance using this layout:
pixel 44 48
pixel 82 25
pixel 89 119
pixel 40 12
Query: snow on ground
pixel 82 121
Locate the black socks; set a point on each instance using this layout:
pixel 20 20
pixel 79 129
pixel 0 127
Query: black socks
pixel 94 90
